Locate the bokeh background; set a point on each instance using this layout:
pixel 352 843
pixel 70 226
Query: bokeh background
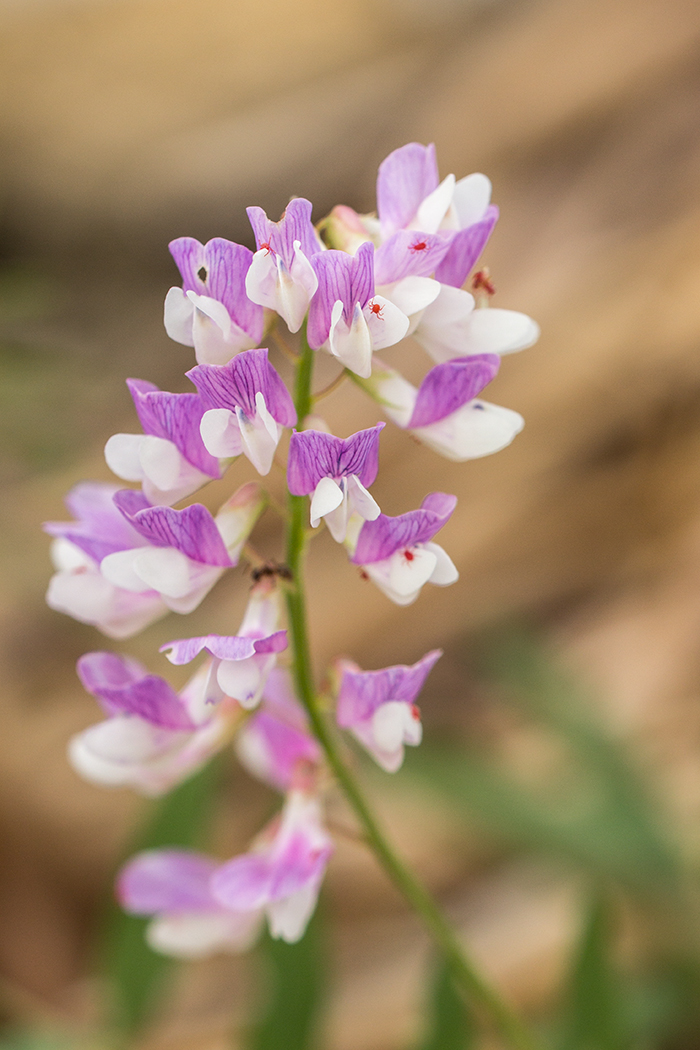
pixel 571 675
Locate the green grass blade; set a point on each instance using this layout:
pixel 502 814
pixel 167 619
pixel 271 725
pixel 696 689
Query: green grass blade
pixel 296 984
pixel 450 1026
pixel 136 974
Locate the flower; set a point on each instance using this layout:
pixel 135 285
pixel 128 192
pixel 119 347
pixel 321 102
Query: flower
pixel 242 662
pixel 153 738
pixel 444 412
pixel 379 707
pixel 282 874
pixel 185 551
pixel 275 744
pixel 247 404
pixel 337 471
pixel 78 588
pixel 281 276
pixel 169 458
pixel 396 553
pixel 346 315
pixel 174 887
pixel 212 312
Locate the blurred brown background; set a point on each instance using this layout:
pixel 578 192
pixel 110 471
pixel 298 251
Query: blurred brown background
pixel 125 123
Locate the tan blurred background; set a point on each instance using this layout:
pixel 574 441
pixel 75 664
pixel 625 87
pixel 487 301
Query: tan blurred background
pixel 125 123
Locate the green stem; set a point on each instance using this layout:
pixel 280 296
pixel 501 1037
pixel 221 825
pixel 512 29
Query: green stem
pixel 507 1023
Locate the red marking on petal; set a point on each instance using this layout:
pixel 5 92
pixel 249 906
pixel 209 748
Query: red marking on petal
pixel 408 555
pixel 419 246
pixel 415 712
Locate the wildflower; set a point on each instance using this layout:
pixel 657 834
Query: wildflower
pixel 173 886
pixel 379 708
pixel 282 873
pixel 247 405
pixel 281 276
pixel 153 738
pixel 337 472
pixel 444 412
pixel 169 458
pixel 397 553
pixel 212 312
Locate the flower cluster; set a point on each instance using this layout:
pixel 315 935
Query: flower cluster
pixel 354 284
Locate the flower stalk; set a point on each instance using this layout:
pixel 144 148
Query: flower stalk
pixel 464 972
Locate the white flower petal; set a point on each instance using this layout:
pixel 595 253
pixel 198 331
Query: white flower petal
pixel 178 316
pixel 220 433
pixel 352 345
pixel 288 918
pixel 243 680
pixel 195 935
pixel 120 569
pixel 327 496
pixel 123 456
pixel 388 723
pixel 445 571
pixel 433 209
pixel 476 429
pixel 472 196
pixel 387 323
pixel 362 500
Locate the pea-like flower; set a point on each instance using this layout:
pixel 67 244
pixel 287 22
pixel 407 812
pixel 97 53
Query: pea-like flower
pixel 379 707
pixel 212 311
pixel 242 662
pixel 398 553
pixel 169 458
pixel 281 276
pixel 153 738
pixel 336 473
pixel 247 407
pixel 445 413
pixel 173 886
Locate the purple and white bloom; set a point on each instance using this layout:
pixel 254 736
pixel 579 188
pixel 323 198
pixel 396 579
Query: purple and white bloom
pixel 78 588
pixel 174 887
pixel 185 551
pixel 212 312
pixel 410 196
pixel 397 553
pixel 379 707
pixel 153 738
pixel 275 745
pixel 346 316
pixel 337 471
pixel 281 276
pixel 169 458
pixel 282 873
pixel 247 407
pixel 450 326
pixel 445 413
pixel 242 662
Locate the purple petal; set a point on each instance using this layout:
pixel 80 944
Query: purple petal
pixel 295 225
pixel 224 647
pixel 124 687
pixel 254 879
pixel 362 692
pixel 410 254
pixel 167 881
pixel 405 179
pixel 314 455
pixel 100 529
pixel 282 747
pixel 379 539
pixel 175 417
pixel 344 277
pixel 465 248
pixel 192 531
pixel 188 254
pixel 448 386
pixel 218 269
pixel 236 384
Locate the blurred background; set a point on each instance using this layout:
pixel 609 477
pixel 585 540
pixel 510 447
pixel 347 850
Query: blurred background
pixel 556 803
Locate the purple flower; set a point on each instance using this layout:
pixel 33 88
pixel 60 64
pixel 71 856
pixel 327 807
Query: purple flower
pixel 212 312
pixel 275 744
pixel 337 471
pixel 379 707
pixel 174 887
pixel 410 196
pixel 153 738
pixel 398 555
pixel 347 315
pixel 247 405
pixel 78 588
pixel 444 413
pixel 281 276
pixel 182 552
pixel 242 662
pixel 282 875
pixel 451 327
pixel 169 458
